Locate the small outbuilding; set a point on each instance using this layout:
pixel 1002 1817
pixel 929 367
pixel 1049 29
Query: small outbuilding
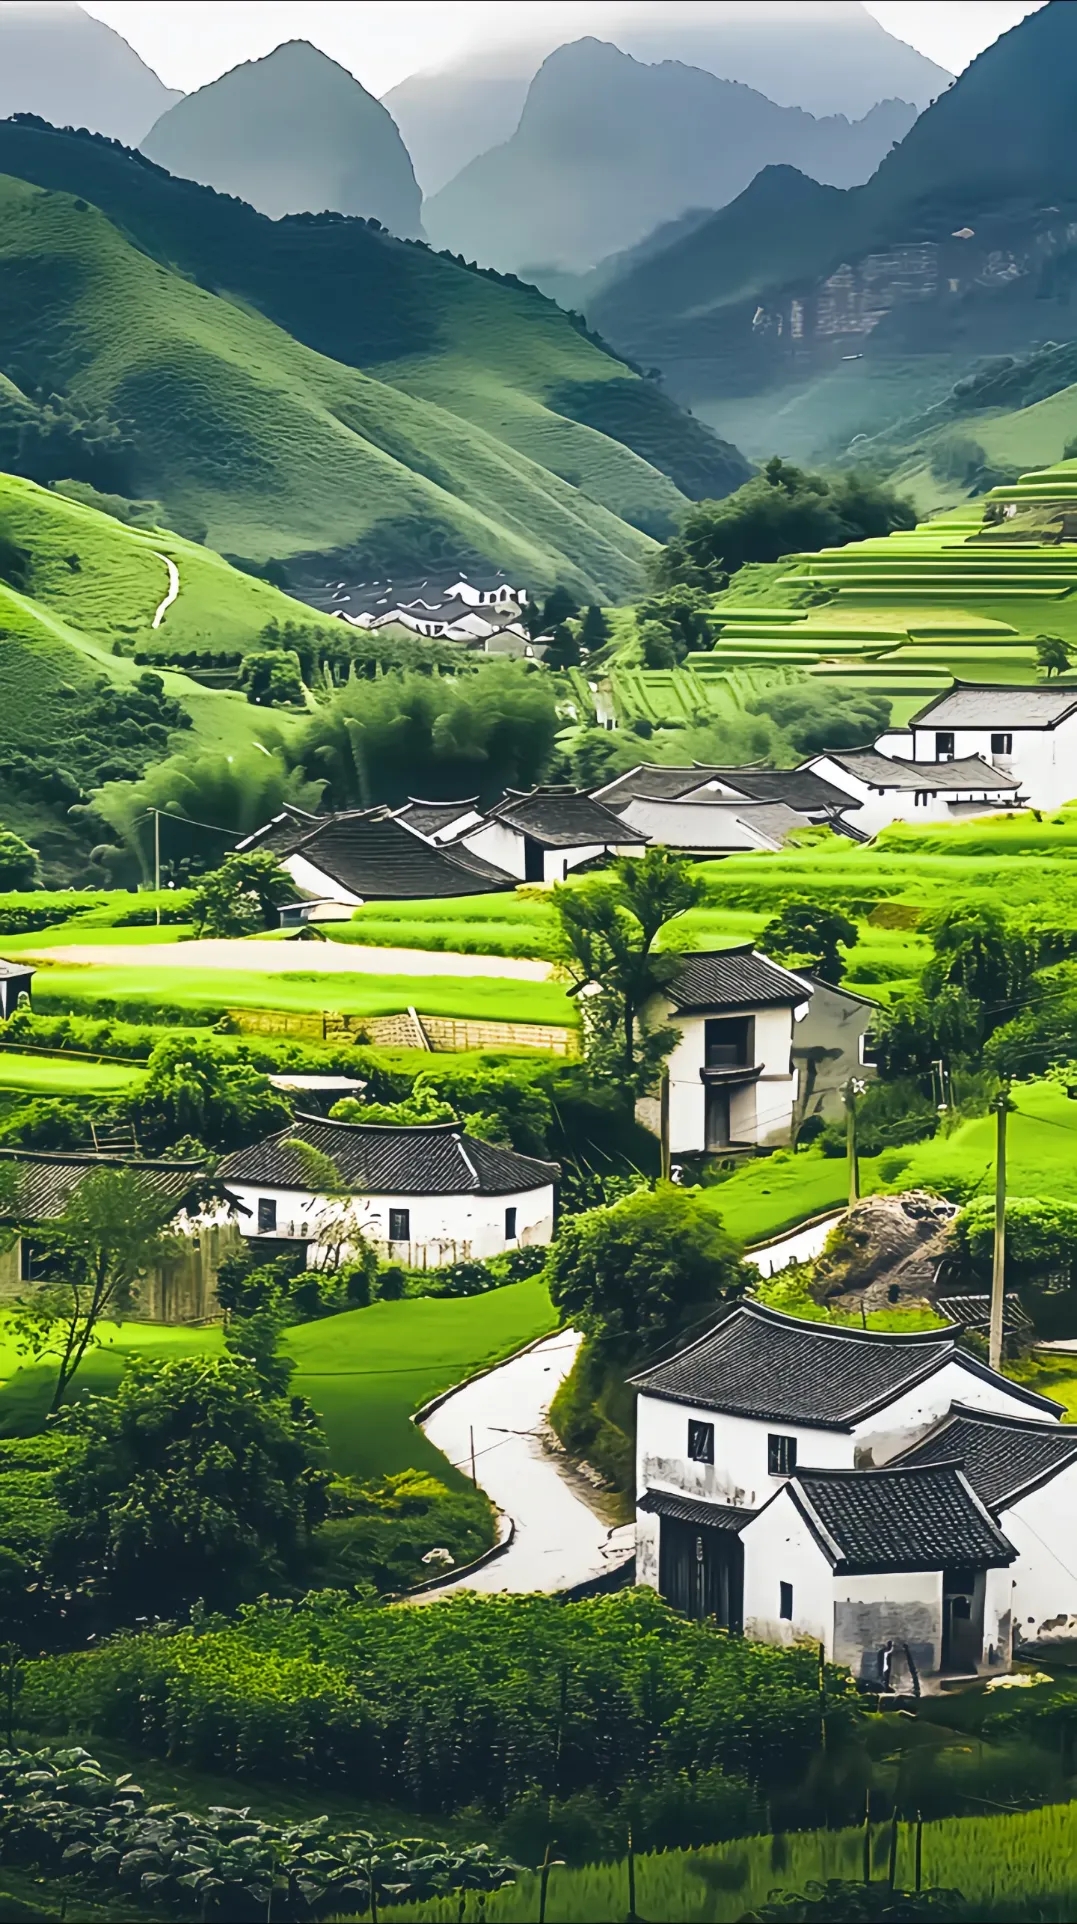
pixel 546 833
pixel 423 1194
pixel 16 979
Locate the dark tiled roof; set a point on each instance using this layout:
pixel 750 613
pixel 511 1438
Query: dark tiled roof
pixel 650 782
pixel 48 1180
pixel 1003 1456
pixel 974 1312
pixel 382 1159
pixel 378 857
pixel 281 835
pixel 799 788
pixel 686 1509
pixel 427 818
pixel 926 1518
pixel 756 1362
pixel 998 706
pixel 886 771
pixel 561 817
pixel 733 979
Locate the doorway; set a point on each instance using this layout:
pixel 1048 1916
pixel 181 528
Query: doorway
pixel 701 1571
pixel 962 1621
pixel 716 1118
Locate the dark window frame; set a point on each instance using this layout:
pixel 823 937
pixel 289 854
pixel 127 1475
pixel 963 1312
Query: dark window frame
pixel 700 1441
pixel 400 1225
pixel 1002 744
pixel 510 1224
pixel 781 1455
pixel 267 1215
pixel 785 1602
pixel 942 752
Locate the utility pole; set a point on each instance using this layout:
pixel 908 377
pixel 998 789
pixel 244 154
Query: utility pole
pixel 157 861
pixel 663 1125
pixel 853 1088
pixel 998 1264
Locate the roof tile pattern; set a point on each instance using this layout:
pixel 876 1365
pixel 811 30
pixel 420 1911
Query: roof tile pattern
pixel 560 818
pixel 47 1181
pixel 1000 706
pixel 381 1159
pixel 901 1519
pixel 733 979
pixel 686 1509
pixel 376 856
pixel 886 771
pixel 1002 1455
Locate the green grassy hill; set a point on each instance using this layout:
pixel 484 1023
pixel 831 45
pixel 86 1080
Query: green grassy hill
pixel 497 355
pixel 266 446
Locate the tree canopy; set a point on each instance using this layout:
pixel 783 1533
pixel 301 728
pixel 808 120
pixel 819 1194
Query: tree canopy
pixel 242 896
pixel 806 932
pixel 191 1088
pixel 781 511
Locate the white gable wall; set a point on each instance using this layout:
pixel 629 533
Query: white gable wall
pixel 880 807
pixel 1044 760
pixel 760 1111
pixel 897 1427
pixel 1043 1530
pixel 779 1548
pixel 443 1229
pixel 315 881
pixel 497 842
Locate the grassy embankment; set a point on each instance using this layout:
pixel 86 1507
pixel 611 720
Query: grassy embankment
pixel 365 1371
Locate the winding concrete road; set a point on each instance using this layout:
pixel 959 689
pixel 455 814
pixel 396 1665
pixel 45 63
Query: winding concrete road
pixel 559 1539
pixel 799 1246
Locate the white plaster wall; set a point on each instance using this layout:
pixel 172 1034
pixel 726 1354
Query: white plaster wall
pixel 443 1228
pixel 316 882
pixel 559 862
pixel 759 1111
pixel 648 1532
pixel 998 1618
pixel 1044 760
pixel 904 1606
pixel 1043 1530
pixel 879 1437
pixel 739 1474
pixel 903 805
pixel 498 844
pixel 779 1548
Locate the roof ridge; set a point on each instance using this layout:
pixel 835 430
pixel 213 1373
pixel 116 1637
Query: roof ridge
pixel 921 1338
pixel 338 1122
pixel 894 1468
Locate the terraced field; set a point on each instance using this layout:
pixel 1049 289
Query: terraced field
pixel 900 616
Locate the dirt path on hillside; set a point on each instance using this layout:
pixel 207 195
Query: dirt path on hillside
pixel 290 958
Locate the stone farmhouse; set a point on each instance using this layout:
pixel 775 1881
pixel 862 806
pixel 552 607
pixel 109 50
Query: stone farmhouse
pixel 811 1480
pixel 423 1194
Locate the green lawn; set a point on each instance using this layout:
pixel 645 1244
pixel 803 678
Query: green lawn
pixel 153 984
pixel 365 1372
pixel 65 1076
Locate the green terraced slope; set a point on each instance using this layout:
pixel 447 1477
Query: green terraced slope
pixel 504 362
pixel 902 616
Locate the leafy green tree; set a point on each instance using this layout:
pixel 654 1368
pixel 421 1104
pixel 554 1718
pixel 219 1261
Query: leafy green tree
pixel 560 605
pixel 594 628
pixel 644 1270
pixel 657 646
pixel 481 731
pixel 1052 654
pixel 112 1231
pixel 979 950
pixel 686 615
pixel 18 861
pixel 807 932
pixel 608 928
pixel 242 896
pixel 192 1088
pixel 273 678
pixel 235 790
pixel 564 650
pixel 423 1105
pixel 780 511
pixel 915 1030
pixel 192 1483
pixel 814 719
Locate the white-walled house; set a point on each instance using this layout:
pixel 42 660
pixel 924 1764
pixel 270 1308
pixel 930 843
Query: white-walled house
pixel 497 594
pixel 439 821
pixel 423 1194
pixel 902 1575
pixel 732 1077
pixel 544 834
pixel 1026 1473
pixel 891 788
pixel 797 789
pixel 373 855
pixel 724 1424
pixel 1029 734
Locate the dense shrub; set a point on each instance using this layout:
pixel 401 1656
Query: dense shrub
pixel 397 1533
pixel 476 1702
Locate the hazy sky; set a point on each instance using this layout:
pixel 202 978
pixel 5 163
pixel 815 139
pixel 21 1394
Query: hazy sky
pixel 189 42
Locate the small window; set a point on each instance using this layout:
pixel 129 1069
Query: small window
pixel 701 1441
pixel 781 1455
pixel 510 1225
pixel 1002 744
pixel 400 1225
pixel 267 1215
pixel 944 747
pixel 785 1602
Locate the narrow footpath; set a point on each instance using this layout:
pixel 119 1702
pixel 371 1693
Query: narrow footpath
pixel 559 1539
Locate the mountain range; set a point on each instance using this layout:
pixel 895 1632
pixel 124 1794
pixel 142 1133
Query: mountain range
pixel 609 147
pixel 825 56
pixel 804 315
pixel 59 62
pixel 311 387
pixel 292 133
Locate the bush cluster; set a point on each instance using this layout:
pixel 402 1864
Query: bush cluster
pixel 478 1702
